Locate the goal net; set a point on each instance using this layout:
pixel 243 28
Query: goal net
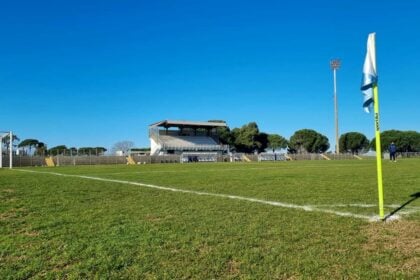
pixel 6 149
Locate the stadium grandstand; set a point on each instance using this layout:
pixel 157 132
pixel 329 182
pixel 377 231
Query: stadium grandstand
pixel 192 140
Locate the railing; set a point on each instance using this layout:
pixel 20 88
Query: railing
pixel 199 157
pixel 271 157
pixel 195 148
pixel 64 160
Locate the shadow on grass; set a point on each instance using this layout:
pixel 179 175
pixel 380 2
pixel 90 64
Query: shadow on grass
pixel 414 196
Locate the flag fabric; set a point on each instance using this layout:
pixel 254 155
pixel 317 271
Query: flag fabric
pixel 370 76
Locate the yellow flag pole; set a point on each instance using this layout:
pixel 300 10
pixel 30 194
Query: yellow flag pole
pixel 378 152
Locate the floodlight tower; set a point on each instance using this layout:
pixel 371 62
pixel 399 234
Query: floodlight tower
pixel 335 64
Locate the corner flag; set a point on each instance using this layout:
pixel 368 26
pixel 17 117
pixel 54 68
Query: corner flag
pixel 370 92
pixel 370 77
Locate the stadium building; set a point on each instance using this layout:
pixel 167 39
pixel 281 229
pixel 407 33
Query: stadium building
pixel 196 140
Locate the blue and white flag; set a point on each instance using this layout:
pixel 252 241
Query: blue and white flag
pixel 370 76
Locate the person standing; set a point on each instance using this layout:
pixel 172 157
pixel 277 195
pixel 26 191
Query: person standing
pixel 392 151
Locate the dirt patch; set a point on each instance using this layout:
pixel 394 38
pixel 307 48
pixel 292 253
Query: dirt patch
pixel 152 218
pixel 6 216
pixel 12 213
pixel 30 233
pixel 13 259
pixel 402 238
pixel 204 249
pixel 233 267
pixel 8 190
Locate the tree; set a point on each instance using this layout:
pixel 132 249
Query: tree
pixel 72 151
pixel 28 143
pixel 123 146
pixel 353 142
pixel 413 138
pixel 406 141
pixel 308 141
pixel 245 138
pixel 387 137
pixel 224 133
pixel 6 141
pixel 225 136
pixel 91 151
pixel 100 151
pixel 58 150
pixel 261 142
pixel 41 148
pixel 276 141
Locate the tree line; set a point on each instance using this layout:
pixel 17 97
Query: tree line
pixel 249 139
pixel 406 141
pixel 38 148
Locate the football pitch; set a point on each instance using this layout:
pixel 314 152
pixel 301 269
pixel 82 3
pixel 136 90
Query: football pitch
pixel 283 220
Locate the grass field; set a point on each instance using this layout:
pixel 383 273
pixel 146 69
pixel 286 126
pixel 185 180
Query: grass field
pixel 286 220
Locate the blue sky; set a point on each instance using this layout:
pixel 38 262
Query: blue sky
pixel 92 73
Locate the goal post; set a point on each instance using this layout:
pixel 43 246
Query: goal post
pixel 3 135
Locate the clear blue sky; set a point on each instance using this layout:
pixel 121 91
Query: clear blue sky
pixel 91 73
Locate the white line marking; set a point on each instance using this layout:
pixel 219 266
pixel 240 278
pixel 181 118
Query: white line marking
pixel 188 171
pixel 359 205
pixel 279 167
pixel 267 202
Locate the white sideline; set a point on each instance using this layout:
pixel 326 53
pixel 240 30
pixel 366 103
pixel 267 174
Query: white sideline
pixel 243 198
pixel 358 205
pixel 207 170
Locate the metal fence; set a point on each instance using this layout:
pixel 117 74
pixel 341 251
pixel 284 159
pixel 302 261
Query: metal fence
pixel 64 160
pixel 22 161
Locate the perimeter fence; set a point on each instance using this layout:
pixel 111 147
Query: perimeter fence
pixel 69 160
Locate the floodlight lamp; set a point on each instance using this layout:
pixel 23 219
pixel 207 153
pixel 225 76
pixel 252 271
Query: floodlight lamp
pixel 335 64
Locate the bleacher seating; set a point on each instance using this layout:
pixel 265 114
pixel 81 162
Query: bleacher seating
pixel 176 137
pixel 182 142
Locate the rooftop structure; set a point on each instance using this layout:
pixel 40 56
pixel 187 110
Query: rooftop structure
pixel 176 137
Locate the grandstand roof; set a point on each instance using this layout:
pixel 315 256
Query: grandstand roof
pixel 174 123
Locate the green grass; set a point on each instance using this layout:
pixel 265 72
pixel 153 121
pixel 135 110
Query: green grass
pixel 68 227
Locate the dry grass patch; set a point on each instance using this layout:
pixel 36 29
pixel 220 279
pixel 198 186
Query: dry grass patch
pixel 8 190
pixel 233 268
pixel 13 213
pixel 7 195
pixel 29 233
pixel 402 239
pixel 13 259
